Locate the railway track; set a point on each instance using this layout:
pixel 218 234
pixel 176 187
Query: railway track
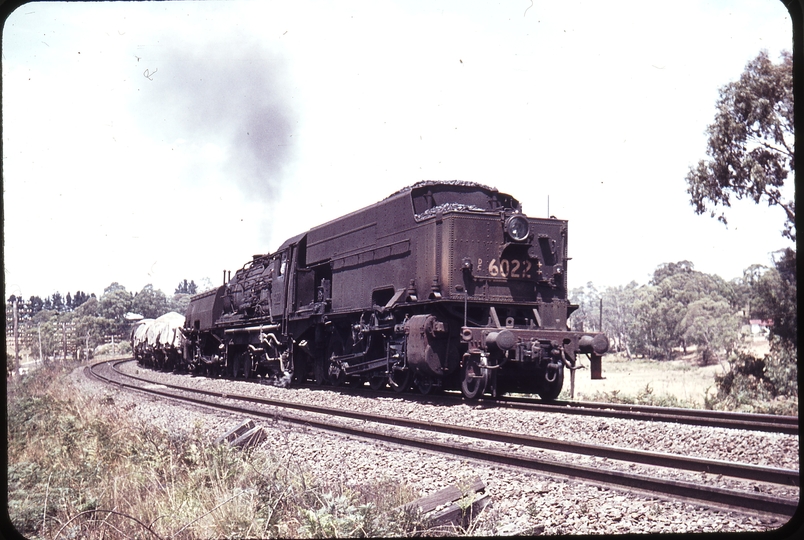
pixel 466 442
pixel 768 423
pixel 734 420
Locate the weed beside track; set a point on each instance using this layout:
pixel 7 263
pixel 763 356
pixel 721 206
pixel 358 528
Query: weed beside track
pixel 79 466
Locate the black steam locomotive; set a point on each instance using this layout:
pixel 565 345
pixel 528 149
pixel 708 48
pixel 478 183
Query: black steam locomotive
pixel 440 285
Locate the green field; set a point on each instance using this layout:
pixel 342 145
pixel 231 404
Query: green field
pixel 683 380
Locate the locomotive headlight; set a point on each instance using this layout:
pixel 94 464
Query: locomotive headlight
pixel 517 228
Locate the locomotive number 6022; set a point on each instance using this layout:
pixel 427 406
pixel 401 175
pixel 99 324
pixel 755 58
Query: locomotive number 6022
pixel 510 268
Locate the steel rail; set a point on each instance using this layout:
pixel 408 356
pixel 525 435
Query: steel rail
pixel 771 423
pixel 726 419
pixel 753 501
pixel 774 475
pixel 768 423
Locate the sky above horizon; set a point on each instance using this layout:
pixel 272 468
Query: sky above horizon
pixel 147 143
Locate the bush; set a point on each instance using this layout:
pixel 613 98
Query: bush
pixel 120 348
pixel 645 396
pixel 768 384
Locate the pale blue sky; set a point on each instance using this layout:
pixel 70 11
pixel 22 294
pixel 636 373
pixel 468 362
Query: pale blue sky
pixel 153 142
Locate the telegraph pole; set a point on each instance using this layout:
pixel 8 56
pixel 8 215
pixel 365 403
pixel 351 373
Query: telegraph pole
pixel 601 313
pixel 64 342
pixel 16 338
pixel 39 330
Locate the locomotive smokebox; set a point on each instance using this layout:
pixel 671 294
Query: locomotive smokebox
pixel 597 344
pixel 503 340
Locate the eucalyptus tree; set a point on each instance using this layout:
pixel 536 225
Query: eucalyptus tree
pixel 150 302
pixel 750 143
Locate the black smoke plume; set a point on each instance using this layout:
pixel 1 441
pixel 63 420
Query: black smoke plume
pixel 232 93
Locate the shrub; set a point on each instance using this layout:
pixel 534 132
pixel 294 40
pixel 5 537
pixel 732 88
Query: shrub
pixel 645 396
pixel 767 384
pixel 80 467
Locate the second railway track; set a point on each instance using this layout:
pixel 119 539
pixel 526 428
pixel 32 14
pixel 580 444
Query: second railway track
pixel 725 419
pixel 768 423
pixel 322 417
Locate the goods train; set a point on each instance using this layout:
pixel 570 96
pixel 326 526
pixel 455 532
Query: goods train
pixel 442 285
pixel 159 343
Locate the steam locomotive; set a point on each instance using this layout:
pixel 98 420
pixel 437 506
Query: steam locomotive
pixel 442 285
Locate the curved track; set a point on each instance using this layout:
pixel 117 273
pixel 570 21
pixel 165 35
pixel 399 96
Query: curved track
pixel 326 418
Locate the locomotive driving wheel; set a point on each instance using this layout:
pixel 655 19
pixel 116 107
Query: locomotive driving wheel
pixel 378 382
pixel 334 372
pixel 319 372
pixel 299 369
pixel 424 384
pixel 474 378
pixel 400 378
pixel 361 335
pixel 242 364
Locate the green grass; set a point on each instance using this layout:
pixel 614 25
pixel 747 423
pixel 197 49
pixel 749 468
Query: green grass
pixel 79 467
pixel 645 396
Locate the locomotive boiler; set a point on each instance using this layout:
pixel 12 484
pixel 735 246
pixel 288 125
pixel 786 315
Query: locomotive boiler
pixel 442 285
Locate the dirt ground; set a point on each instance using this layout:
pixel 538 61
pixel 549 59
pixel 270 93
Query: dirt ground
pixel 683 378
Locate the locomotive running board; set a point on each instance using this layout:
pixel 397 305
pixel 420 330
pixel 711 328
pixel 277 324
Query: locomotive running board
pixel 260 328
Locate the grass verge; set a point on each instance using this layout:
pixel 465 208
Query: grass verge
pixel 80 467
pixel 644 396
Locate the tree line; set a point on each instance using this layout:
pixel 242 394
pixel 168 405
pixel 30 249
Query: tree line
pixel 75 325
pixel 681 307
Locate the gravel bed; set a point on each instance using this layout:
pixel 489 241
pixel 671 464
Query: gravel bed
pixel 536 454
pixel 522 502
pixel 756 448
pixel 692 477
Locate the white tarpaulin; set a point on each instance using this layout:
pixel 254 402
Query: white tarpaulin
pixel 139 332
pixel 163 330
pixel 167 329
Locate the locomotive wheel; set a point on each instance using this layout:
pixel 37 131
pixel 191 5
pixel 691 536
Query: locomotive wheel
pixel 378 383
pixel 400 379
pixel 242 364
pixel 335 349
pixel 424 384
pixel 299 368
pixel 338 380
pixel 551 390
pixel 247 365
pixel 474 379
pixel 320 372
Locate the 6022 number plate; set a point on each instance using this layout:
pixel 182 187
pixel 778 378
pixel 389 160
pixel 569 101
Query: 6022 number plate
pixel 512 268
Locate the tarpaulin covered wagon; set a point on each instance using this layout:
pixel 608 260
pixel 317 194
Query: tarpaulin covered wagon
pixel 158 342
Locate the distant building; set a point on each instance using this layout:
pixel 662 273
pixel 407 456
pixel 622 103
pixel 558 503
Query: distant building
pixel 760 329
